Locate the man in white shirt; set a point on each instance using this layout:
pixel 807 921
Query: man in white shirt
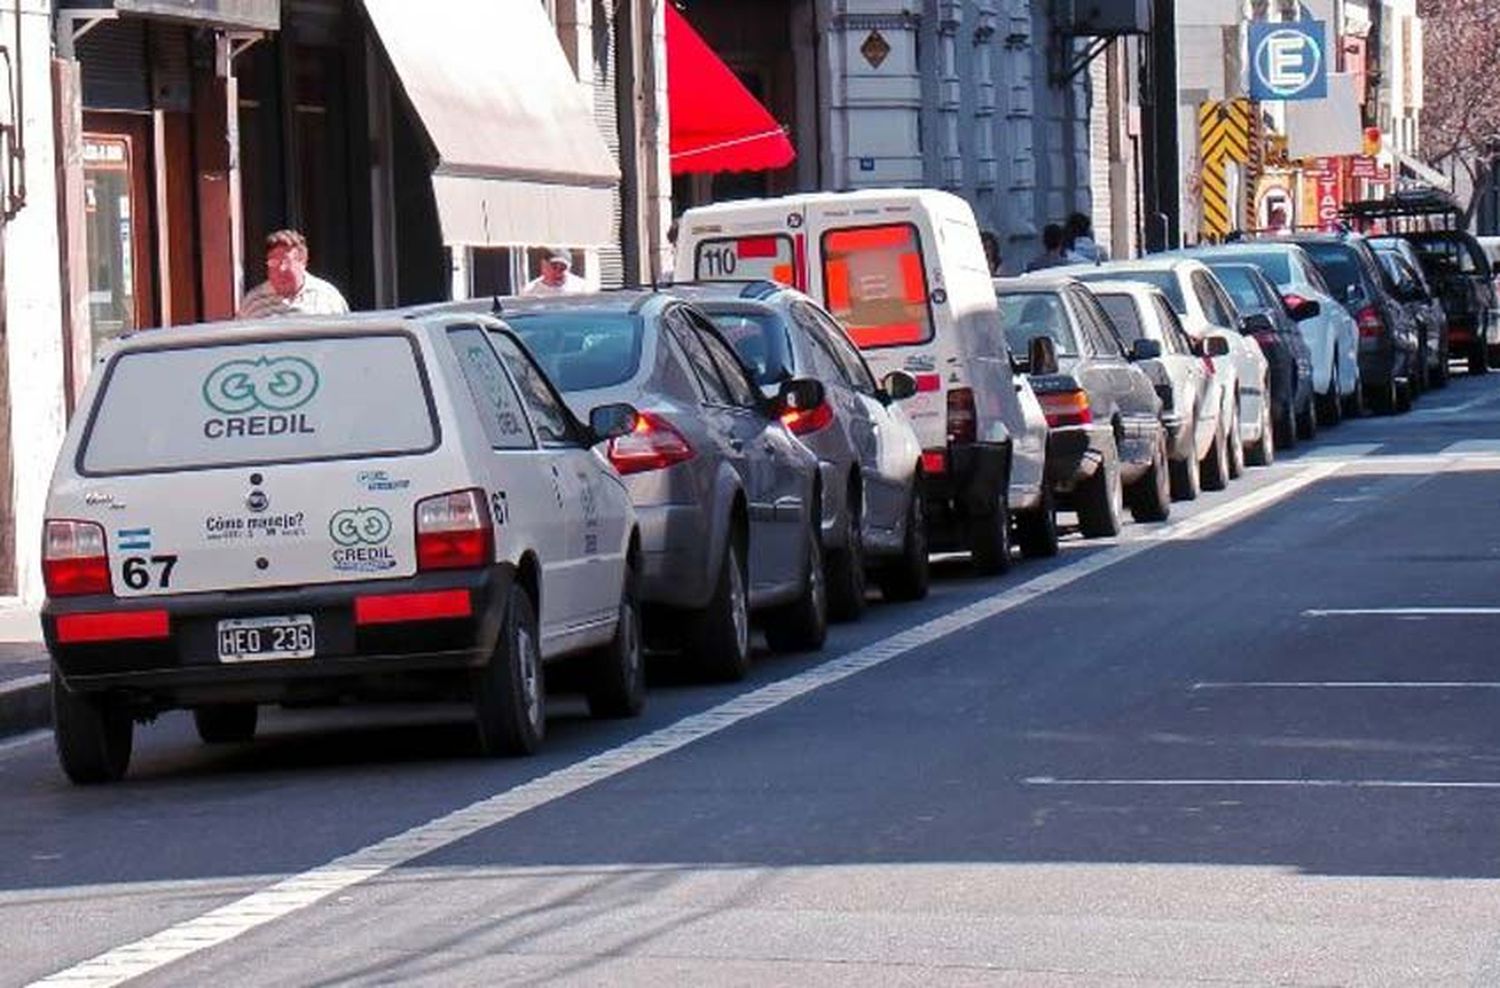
pixel 556 278
pixel 288 288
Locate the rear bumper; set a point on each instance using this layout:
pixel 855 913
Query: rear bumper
pixel 1075 453
pixel 184 667
pixel 975 477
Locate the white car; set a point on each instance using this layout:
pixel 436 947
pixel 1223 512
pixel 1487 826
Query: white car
pixel 1206 310
pixel 1332 335
pixel 311 509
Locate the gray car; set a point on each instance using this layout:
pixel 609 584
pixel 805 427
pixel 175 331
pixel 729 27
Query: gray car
pixel 867 450
pixel 727 497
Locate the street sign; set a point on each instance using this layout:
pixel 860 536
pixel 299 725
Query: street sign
pixel 1288 61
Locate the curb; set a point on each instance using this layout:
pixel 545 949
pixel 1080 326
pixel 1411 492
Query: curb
pixel 25 705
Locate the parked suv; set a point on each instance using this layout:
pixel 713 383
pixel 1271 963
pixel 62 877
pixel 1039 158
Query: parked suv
pixel 1461 272
pixel 304 509
pixel 1411 286
pixel 1106 446
pixel 729 500
pixel 867 451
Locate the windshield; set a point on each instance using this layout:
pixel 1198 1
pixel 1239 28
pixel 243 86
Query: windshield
pixel 1030 315
pixel 1449 255
pixel 1338 266
pixel 1165 280
pixel 1277 267
pixel 1238 281
pixel 287 401
pixel 581 351
pixel 760 339
pixel 1126 317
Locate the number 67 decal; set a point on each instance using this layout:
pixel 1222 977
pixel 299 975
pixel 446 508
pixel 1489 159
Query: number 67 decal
pixel 139 571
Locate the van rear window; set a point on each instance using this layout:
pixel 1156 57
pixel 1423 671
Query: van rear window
pixel 236 404
pixel 768 257
pixel 875 283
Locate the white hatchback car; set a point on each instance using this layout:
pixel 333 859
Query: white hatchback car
pixel 313 509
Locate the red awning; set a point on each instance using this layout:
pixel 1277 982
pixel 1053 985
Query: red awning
pixel 717 126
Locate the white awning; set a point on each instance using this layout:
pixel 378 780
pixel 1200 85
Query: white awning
pixel 520 160
pixel 1424 173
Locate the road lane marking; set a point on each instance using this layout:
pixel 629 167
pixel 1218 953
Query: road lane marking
pixel 299 891
pixel 10 745
pixel 1469 447
pixel 1338 685
pixel 1047 780
pixel 1402 612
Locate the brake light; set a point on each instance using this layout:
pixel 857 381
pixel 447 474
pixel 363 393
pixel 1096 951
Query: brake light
pixel 75 560
pixel 963 420
pixel 396 608
pixel 804 422
pixel 74 629
pixel 1293 300
pixel 652 445
pixel 1370 323
pixel 454 531
pixel 934 461
pixel 1066 407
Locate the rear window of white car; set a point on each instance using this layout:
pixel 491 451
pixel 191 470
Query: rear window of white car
pixel 238 404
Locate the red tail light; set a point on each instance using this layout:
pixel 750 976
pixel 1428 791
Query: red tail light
pixel 73 629
pixel 397 608
pixel 1293 300
pixel 1066 407
pixel 652 445
pixel 806 422
pixel 75 560
pixel 454 531
pixel 934 461
pixel 1370 323
pixel 963 421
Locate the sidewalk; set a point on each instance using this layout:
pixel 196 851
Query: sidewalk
pixel 24 702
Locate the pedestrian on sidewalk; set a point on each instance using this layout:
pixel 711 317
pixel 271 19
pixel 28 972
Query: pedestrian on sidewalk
pixel 289 289
pixel 556 278
pixel 1052 254
pixel 1080 245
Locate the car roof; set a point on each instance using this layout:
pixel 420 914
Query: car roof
pixel 1033 284
pixel 278 327
pixel 1124 286
pixel 1280 244
pixel 713 292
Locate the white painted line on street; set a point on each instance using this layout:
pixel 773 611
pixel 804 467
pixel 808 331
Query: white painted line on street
pixel 20 741
pixel 1469 405
pixel 1337 685
pixel 1340 451
pixel 1045 780
pixel 1466 447
pixel 23 683
pixel 297 892
pixel 1402 612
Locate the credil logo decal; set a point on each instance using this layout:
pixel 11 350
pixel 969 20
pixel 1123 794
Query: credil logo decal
pixel 359 526
pixel 276 384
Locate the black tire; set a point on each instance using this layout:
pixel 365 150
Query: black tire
pixel 1354 405
pixel 1441 373
pixel 719 635
pixel 1150 497
pixel 1417 379
pixel 802 625
pixel 1492 356
pixel 1284 430
pixel 909 576
pixel 1307 422
pixel 617 672
pixel 989 540
pixel 1214 470
pixel 510 692
pixel 1477 362
pixel 1236 442
pixel 1382 399
pixel 1187 479
pixel 845 571
pixel 93 735
pixel 1263 453
pixel 1330 404
pixel 1100 500
pixel 1036 530
pixel 226 723
pixel 1405 395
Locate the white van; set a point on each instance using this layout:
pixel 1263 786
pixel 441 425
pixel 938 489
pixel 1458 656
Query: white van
pixel 904 272
pixel 305 510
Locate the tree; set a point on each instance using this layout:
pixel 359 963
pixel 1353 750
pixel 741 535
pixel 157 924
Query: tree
pixel 1461 98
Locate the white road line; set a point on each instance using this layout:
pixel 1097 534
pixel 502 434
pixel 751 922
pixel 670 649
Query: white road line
pixel 279 900
pixel 1456 409
pixel 1402 612
pixel 24 683
pixel 1339 451
pixel 23 740
pixel 1338 685
pixel 1471 446
pixel 1046 780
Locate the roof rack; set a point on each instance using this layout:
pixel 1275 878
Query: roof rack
pixel 1407 210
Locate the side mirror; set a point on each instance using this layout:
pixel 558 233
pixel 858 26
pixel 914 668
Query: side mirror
pixel 612 421
pixel 1041 355
pixel 1257 322
pixel 898 385
pixel 1144 349
pixel 801 394
pixel 1303 309
pixel 1215 346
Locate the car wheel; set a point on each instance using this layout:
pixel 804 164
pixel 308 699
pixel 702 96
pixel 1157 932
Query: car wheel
pixel 1382 399
pixel 1236 447
pixel 1263 453
pixel 802 626
pixel 1477 362
pixel 1187 479
pixel 226 723
pixel 1405 395
pixel 1150 497
pixel 509 692
pixel 1492 355
pixel 1036 530
pixel 1285 429
pixel 720 635
pixel 989 540
pixel 908 576
pixel 1354 405
pixel 617 672
pixel 1215 466
pixel 93 735
pixel 846 571
pixel 1330 404
pixel 1441 373
pixel 1307 422
pixel 1100 500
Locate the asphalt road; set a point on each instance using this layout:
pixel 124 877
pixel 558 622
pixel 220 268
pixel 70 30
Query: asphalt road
pixel 1256 745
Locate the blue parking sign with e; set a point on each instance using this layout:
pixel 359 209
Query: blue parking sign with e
pixel 1288 61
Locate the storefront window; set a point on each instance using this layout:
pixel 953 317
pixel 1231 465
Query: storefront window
pixel 110 227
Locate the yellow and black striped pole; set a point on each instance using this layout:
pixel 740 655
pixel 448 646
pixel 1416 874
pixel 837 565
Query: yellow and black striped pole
pixel 1223 136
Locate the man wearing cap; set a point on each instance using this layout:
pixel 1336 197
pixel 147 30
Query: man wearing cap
pixel 556 277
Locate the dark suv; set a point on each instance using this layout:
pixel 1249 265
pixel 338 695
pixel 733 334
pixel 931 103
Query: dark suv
pixel 1457 266
pixel 1388 342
